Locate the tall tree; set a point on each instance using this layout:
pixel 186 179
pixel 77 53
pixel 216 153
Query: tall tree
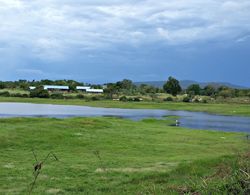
pixel 209 90
pixel 194 89
pixel 172 86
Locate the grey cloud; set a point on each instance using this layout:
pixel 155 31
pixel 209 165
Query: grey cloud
pixel 50 29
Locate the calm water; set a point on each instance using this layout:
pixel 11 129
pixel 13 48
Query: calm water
pixel 194 120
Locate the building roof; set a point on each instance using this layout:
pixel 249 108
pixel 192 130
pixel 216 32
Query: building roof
pixel 82 87
pixel 95 90
pixel 56 87
pixel 32 87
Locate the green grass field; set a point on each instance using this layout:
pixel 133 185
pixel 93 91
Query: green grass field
pixel 222 108
pixel 118 156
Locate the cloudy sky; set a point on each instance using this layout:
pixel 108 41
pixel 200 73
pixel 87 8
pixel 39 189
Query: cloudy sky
pixel 108 40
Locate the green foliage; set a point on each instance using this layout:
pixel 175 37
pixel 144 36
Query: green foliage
pixel 39 92
pixel 125 87
pixel 137 99
pixel 172 86
pixel 22 95
pixel 4 94
pixel 57 96
pixel 95 98
pixel 209 90
pixel 147 89
pixel 111 90
pixel 169 99
pixel 194 89
pixel 143 157
pixel 123 99
pixel 186 99
pixel 80 96
pixel 226 93
pixel 2 85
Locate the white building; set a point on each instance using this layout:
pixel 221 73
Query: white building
pixel 94 90
pixel 55 87
pixel 32 87
pixel 83 88
pixel 89 90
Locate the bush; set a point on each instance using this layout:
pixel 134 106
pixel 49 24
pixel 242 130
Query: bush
pixel 19 95
pixel 130 99
pixel 40 93
pixel 69 97
pixel 169 99
pixel 204 101
pixel 186 99
pixel 123 98
pixel 137 99
pixel 80 96
pixel 57 96
pixel 95 98
pixel 5 94
pixel 196 100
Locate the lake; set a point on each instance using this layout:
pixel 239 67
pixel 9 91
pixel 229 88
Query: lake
pixel 194 120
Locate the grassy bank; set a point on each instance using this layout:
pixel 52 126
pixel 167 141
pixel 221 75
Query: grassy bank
pixel 115 156
pixel 223 108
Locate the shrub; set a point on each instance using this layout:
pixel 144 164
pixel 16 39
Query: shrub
pixel 130 99
pixel 123 98
pixel 5 94
pixel 57 96
pixel 80 96
pixel 186 99
pixel 95 98
pixel 196 100
pixel 137 99
pixel 69 97
pixel 19 95
pixel 204 101
pixel 169 99
pixel 40 93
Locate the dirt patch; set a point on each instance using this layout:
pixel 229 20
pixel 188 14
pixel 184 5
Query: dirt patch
pixel 53 191
pixel 158 167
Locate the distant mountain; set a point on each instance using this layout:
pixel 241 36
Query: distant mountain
pixel 185 83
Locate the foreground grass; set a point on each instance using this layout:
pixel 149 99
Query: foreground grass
pixel 225 108
pixel 115 156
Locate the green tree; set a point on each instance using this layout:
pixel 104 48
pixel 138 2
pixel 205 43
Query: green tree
pixel 2 85
pixel 172 86
pixel 194 89
pixel 40 93
pixel 111 90
pixel 226 93
pixel 209 90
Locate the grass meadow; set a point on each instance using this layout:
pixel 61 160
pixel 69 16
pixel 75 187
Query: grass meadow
pixel 106 155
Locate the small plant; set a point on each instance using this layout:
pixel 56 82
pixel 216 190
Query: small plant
pixel 98 155
pixel 38 167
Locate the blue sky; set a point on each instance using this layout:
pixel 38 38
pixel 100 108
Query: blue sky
pixel 144 40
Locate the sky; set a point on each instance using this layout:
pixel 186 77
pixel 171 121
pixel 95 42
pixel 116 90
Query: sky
pixel 100 41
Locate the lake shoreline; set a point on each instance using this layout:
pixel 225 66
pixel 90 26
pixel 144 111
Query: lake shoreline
pixel 187 119
pixel 211 108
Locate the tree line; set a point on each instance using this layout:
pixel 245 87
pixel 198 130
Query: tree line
pixel 128 88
